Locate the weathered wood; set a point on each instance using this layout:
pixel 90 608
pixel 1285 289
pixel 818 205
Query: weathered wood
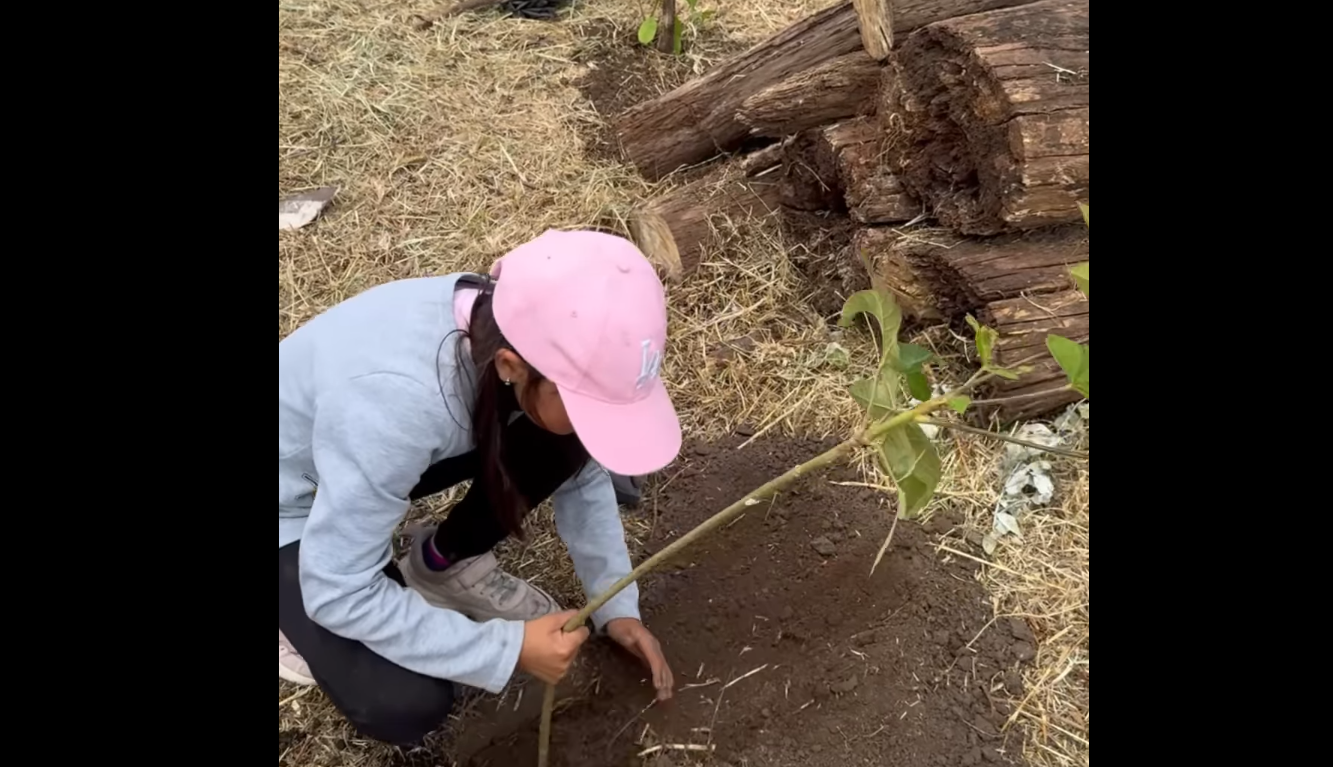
pixel 698 120
pixel 1039 392
pixel 994 116
pixel 701 214
pixel 838 88
pixel 937 275
pixel 839 168
pixel 881 198
pixel 873 194
pixel 762 160
pixel 1023 324
pixel 810 170
pixel 876 20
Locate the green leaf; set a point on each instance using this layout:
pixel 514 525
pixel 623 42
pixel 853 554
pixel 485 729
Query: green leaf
pixel 1074 360
pixel 1080 273
pixel 876 395
pixel 908 456
pixel 692 4
pixel 648 31
pixel 678 37
pixel 880 305
pixel 708 14
pixel 960 403
pixel 986 338
pixel 1006 373
pixel 919 385
pixel 1084 208
pixel 911 357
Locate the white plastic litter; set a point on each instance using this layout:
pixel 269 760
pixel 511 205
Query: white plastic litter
pixel 1028 483
pixel 298 210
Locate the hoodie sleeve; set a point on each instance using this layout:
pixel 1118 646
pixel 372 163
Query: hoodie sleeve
pixel 588 519
pixel 373 438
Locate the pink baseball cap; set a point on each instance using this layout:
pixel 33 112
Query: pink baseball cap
pixel 587 310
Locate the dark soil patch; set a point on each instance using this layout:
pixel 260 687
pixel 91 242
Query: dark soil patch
pixel 852 669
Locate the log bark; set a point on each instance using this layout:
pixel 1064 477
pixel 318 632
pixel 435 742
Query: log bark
pixel 1023 324
pixel 995 116
pixel 698 120
pixel 840 87
pixel 939 276
pixel 702 213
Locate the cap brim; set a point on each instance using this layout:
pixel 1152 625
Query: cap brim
pixel 632 440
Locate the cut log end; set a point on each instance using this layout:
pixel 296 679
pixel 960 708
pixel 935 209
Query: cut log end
pixel 840 168
pixel 702 213
pixel 939 276
pixel 1024 324
pixel 996 111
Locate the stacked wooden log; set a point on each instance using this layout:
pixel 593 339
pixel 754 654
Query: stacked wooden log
pixel 952 133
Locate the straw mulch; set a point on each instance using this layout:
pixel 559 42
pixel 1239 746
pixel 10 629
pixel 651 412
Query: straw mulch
pixel 452 145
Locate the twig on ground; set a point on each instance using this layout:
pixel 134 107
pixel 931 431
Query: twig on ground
pixel 885 547
pixel 697 685
pixel 1004 437
pixel 621 731
pixel 745 676
pixel 675 747
pixel 979 560
pixel 294 696
pixel 1018 397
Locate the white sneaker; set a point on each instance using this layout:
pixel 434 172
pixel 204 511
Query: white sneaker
pixel 291 666
pixel 475 587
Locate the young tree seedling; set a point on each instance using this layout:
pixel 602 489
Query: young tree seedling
pixel 674 41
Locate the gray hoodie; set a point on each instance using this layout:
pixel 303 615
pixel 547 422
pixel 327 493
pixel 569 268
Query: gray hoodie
pixel 362 392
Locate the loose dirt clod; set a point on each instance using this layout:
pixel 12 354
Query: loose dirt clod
pixel 824 546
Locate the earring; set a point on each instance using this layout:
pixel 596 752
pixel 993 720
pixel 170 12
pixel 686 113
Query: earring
pixel 508 382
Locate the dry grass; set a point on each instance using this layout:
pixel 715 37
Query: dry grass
pixel 1043 579
pixel 451 146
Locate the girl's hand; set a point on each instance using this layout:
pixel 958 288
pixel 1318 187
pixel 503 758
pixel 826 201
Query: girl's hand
pixel 547 650
pixel 635 637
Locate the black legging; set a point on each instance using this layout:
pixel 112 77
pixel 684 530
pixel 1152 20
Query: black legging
pixel 383 700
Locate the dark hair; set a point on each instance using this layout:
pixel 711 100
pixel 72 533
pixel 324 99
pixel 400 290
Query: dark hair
pixel 492 408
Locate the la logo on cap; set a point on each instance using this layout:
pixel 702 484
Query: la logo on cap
pixel 649 365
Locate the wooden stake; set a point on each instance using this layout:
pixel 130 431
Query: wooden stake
pixel 876 18
pixel 666 29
